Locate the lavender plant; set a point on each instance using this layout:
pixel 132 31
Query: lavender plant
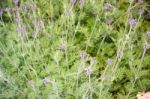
pixel 74 49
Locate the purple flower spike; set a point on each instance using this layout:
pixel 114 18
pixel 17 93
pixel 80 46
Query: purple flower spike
pixel 18 20
pixel 21 29
pixel 88 71
pixel 107 6
pixel 140 1
pixel 109 61
pixel 46 80
pixel 34 6
pixel 145 46
pixel 148 34
pixel 72 1
pixel 132 22
pixel 141 11
pixel 1 11
pixel 109 21
pixel 81 1
pixel 16 2
pixel 62 47
pixel 83 54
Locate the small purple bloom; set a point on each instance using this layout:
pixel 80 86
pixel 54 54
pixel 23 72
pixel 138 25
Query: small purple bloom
pixel 140 1
pixel 21 29
pixel 109 21
pixel 141 11
pixel 1 11
pixel 148 34
pixel 18 20
pixel 132 22
pixel 107 6
pixel 62 47
pixel 83 54
pixel 72 1
pixel 109 61
pixel 46 80
pixel 81 1
pixel 145 46
pixel 88 71
pixel 16 2
pixel 34 6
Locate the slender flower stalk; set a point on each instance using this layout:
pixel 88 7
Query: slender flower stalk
pixel 16 2
pixel 82 2
pixel 72 1
pixel 21 31
pixel 93 61
pixel 1 11
pixel 145 46
pixel 68 12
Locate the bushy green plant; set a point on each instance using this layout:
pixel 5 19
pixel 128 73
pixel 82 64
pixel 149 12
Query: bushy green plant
pixel 74 49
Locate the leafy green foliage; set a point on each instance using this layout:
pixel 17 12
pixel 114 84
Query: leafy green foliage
pixel 46 60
